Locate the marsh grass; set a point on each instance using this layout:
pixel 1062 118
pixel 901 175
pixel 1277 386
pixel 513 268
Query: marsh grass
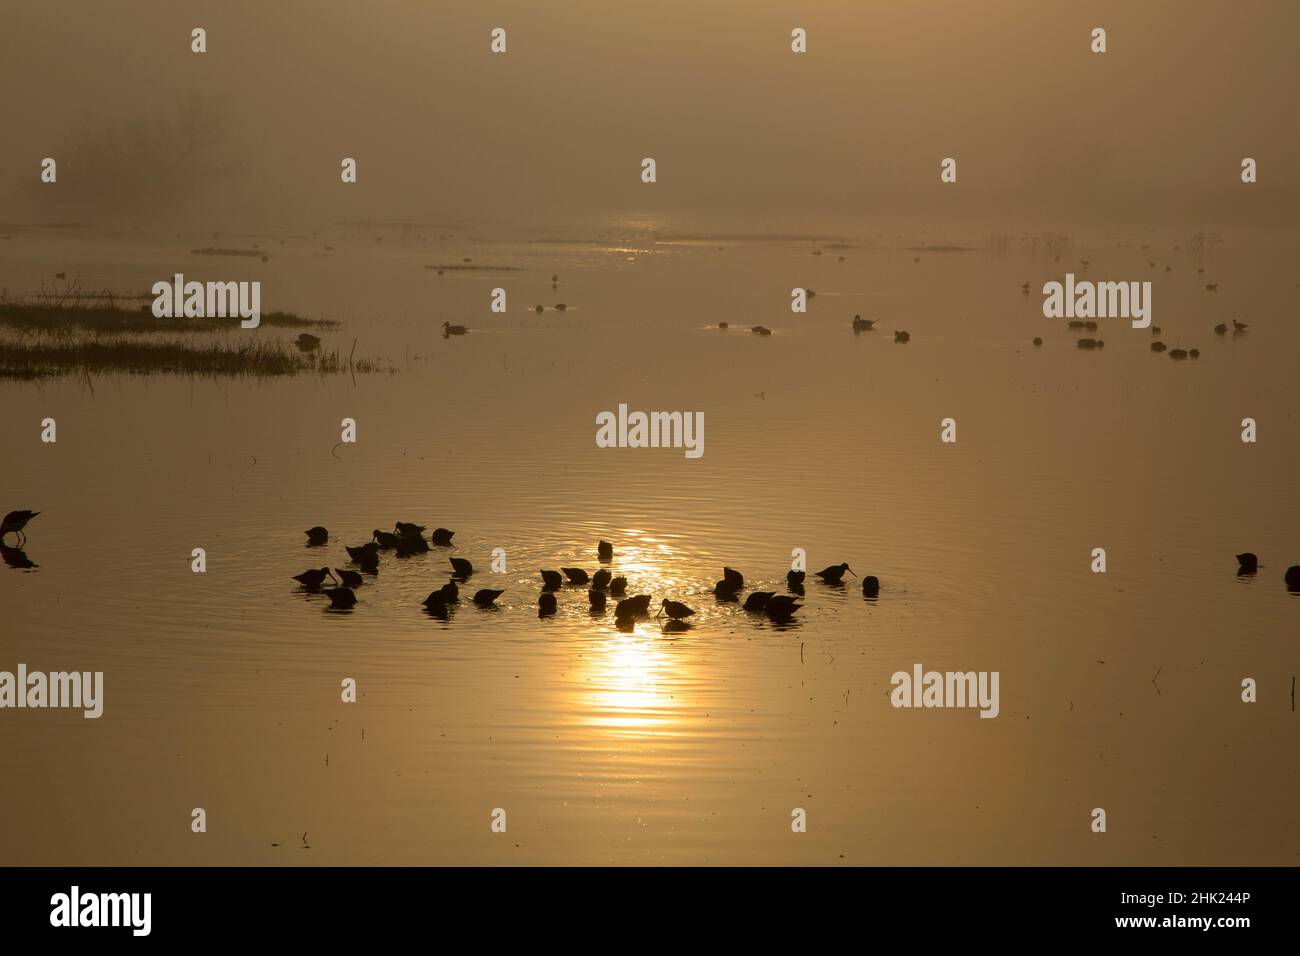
pixel 70 333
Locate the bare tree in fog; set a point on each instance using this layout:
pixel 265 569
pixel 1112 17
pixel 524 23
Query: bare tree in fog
pixel 147 167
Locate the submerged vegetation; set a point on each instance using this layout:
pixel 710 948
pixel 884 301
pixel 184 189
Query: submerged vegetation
pixel 70 333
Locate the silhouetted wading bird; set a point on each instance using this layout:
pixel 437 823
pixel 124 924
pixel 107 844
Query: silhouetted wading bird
pixel 404 529
pixel 902 336
pixel 552 580
pixel 1292 578
pixel 312 578
pixel 461 567
pixel 386 539
pixel 317 535
pixel 862 325
pixel 760 330
pixel 870 586
pixel 1247 563
pixel 368 550
pixel 795 578
pixel 576 575
pixel 781 607
pixel 597 599
pixel 733 577
pixel 1178 353
pixel 1239 326
pixel 451 593
pixel 546 604
pixel 633 606
pixel 1158 346
pixel 1220 329
pixel 605 551
pixel 436 605
pixel 674 609
pixel 442 537
pixel 618 587
pixel 834 573
pixel 14 522
pixel 449 330
pixel 725 590
pixel 600 580
pixel 757 600
pixel 369 563
pixel 341 597
pixel 349 579
pixel 487 597
pixel 411 544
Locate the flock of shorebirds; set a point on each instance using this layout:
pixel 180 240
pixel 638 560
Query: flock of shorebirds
pixel 602 586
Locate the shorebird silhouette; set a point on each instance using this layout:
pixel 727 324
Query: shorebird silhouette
pixel 674 609
pixel 1247 563
pixel 368 550
pixel 461 568
pixel 725 590
pixel 1221 329
pixel 576 575
pixel 795 579
pixel 597 599
pixel 902 336
pixel 862 325
pixel 552 580
pixel 633 606
pixel 441 537
pixel 340 598
pixel 834 573
pixel 487 597
pixel 436 605
pixel 450 593
pixel 386 539
pixel 14 522
pixel 1292 578
pixel 618 587
pixel 781 607
pixel 317 535
pixel 734 578
pixel 349 579
pixel 1158 346
pixel 448 330
pixel 605 551
pixel 758 600
pixel 870 586
pixel 409 544
pixel 546 604
pixel 312 578
pixel 760 330
pixel 600 580
pixel 405 528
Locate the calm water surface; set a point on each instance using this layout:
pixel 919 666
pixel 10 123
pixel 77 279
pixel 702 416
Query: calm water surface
pixel 222 690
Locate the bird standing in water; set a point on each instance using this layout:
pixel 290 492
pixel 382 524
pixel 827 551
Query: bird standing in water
pixel 781 607
pixel 605 551
pixel 546 604
pixel 448 330
pixel 317 535
pixel 340 598
pixel 442 537
pixel 600 580
pixel 368 550
pixel 725 590
pixel 618 587
pixel 386 539
pixel 349 579
pixel 576 575
pixel 1247 563
pixel 674 609
pixel 758 600
pixel 633 606
pixel 313 578
pixel 461 568
pixel 870 586
pixel 794 580
pixel 552 580
pixel 834 573
pixel 14 522
pixel 734 578
pixel 406 529
pixel 487 597
pixel 597 599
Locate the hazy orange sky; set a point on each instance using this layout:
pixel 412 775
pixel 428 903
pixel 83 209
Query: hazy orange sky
pixel 744 131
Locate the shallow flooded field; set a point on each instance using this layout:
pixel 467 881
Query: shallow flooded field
pixel 222 690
